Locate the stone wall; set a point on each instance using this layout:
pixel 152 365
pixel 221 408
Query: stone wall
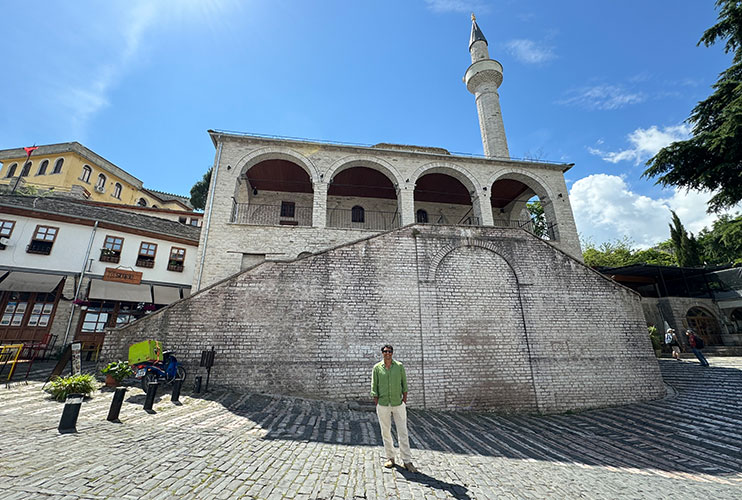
pixel 482 318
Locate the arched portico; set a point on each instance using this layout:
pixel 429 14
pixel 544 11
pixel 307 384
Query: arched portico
pixel 362 194
pixel 448 194
pixel 274 187
pixel 510 194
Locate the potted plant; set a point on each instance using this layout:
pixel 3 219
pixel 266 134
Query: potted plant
pixel 116 371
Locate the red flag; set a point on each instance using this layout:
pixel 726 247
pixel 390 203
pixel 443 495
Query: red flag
pixel 30 150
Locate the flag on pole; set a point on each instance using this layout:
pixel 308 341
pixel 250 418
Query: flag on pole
pixel 30 150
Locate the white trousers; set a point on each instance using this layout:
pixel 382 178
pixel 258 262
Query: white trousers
pixel 385 414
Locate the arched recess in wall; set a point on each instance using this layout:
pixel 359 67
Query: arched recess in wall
pixel 480 326
pixel 705 324
pixel 444 192
pixel 274 188
pixel 364 183
pixel 523 201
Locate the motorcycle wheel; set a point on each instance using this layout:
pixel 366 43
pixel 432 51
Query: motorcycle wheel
pixel 180 374
pixel 148 378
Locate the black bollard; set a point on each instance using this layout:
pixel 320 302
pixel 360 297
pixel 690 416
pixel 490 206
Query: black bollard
pixel 151 393
pixel 68 422
pixel 118 398
pixel 176 391
pixel 197 385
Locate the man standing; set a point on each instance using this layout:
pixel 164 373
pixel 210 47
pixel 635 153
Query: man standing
pixel 389 390
pixel 696 344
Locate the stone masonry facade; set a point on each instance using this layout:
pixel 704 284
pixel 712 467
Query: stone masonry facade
pixel 483 318
pixel 223 241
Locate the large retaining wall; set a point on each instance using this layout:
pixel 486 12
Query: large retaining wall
pixel 482 318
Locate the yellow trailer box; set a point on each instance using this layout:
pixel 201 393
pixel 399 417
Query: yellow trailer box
pixel 149 350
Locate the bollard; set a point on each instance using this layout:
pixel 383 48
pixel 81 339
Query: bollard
pixel 176 391
pixel 68 422
pixel 150 399
pixel 118 398
pixel 197 385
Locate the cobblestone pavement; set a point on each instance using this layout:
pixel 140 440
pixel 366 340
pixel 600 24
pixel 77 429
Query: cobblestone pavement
pixel 228 445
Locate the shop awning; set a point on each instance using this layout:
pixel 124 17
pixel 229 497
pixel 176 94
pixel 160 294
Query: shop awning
pixel 125 292
pixel 166 294
pixel 30 282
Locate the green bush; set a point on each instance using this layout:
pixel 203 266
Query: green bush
pixel 119 370
pixel 61 387
pixel 655 337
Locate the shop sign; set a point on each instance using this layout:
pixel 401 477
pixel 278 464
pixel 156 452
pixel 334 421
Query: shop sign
pixel 122 275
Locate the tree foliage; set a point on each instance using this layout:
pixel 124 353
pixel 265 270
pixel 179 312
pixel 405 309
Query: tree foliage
pixel 687 249
pixel 538 218
pixel 712 158
pixel 722 244
pixel 200 191
pixel 618 253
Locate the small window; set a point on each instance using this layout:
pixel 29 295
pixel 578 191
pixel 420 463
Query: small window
pixel 111 251
pixel 117 191
pixel 86 171
pixel 288 208
pixel 422 216
pixel 101 184
pixel 26 169
pixel 177 257
pixel 183 220
pixel 142 202
pixel 11 170
pixel 194 222
pixel 358 214
pixel 43 240
pixel 147 253
pixel 42 167
pixel 58 166
pixel 6 229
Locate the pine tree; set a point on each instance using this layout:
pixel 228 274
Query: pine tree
pixel 712 158
pixel 686 246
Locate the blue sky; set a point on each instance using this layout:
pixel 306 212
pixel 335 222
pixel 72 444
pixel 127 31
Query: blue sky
pixel 600 84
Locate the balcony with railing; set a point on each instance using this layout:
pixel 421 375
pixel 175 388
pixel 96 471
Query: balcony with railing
pixel 270 215
pixel 370 220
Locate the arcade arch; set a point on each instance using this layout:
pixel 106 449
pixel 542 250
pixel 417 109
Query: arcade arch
pixel 703 322
pixel 444 195
pixel 519 200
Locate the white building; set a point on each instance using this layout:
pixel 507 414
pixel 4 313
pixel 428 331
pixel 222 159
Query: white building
pixel 70 268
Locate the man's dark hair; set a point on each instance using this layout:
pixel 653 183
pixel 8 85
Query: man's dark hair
pixel 387 347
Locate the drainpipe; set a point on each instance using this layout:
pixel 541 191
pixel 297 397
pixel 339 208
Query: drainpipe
pixel 79 283
pixel 214 174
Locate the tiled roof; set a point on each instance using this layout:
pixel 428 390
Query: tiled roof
pixel 88 211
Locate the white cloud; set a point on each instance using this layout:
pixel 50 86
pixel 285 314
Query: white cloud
pixel 645 143
pixel 602 97
pixel 529 52
pixel 605 208
pixel 456 5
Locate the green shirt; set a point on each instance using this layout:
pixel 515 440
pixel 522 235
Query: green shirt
pixel 388 385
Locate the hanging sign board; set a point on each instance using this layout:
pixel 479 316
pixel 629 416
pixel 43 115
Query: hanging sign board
pixel 122 275
pixel 76 358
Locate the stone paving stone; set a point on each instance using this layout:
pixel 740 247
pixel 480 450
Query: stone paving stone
pixel 260 446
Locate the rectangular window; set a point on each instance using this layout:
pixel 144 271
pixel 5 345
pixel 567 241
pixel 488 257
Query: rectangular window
pixel 111 251
pixel 177 257
pixel 288 208
pixel 147 253
pixel 43 240
pixel 6 229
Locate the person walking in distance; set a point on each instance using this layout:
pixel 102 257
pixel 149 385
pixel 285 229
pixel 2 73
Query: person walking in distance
pixel 672 340
pixel 389 390
pixel 696 344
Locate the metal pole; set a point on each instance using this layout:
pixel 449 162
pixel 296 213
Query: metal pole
pixel 79 284
pixel 214 174
pixel 68 422
pixel 118 399
pixel 150 399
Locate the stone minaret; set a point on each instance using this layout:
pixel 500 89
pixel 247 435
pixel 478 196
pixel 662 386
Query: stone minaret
pixel 482 79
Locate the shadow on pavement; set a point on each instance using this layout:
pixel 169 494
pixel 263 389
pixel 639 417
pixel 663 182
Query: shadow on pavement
pixel 456 490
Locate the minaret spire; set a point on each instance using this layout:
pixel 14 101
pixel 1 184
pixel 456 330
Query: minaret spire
pixel 482 79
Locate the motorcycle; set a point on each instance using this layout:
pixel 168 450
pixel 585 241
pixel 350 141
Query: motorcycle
pixel 168 370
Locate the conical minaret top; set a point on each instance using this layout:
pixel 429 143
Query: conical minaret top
pixel 482 79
